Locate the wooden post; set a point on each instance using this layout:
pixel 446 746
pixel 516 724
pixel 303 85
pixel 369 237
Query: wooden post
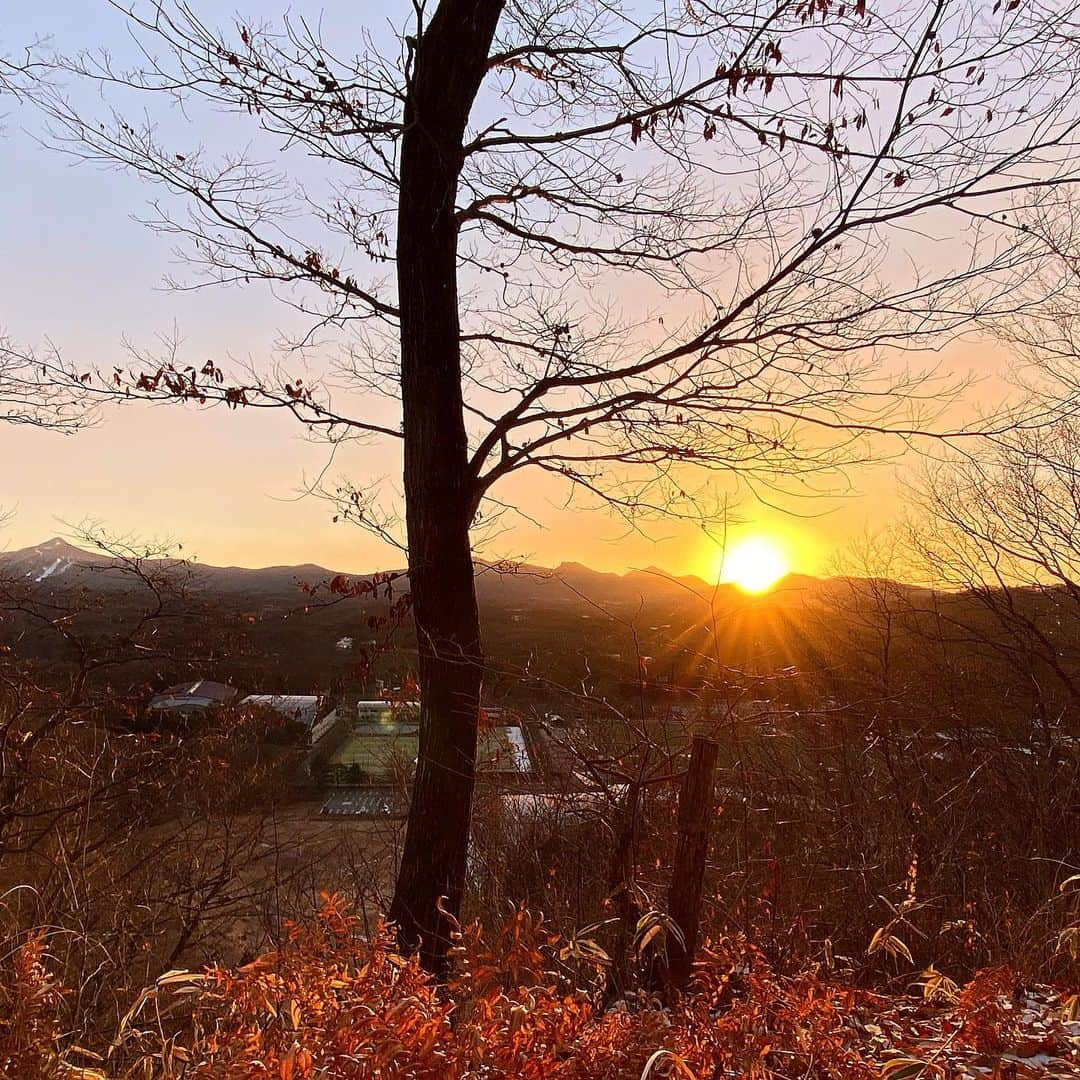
pixel 688 873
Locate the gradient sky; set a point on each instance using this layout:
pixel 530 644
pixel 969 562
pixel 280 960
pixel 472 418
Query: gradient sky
pixel 78 270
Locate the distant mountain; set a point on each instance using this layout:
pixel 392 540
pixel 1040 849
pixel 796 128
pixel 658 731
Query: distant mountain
pixel 57 564
pixel 50 561
pixel 543 627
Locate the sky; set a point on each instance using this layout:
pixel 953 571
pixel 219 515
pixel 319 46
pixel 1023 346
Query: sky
pixel 78 270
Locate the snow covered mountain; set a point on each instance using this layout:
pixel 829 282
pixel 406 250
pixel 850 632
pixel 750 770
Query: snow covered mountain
pixel 50 561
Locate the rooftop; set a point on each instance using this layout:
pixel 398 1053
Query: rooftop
pixel 197 692
pixel 301 707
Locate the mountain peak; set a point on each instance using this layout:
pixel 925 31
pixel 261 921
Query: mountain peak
pixel 63 547
pixel 46 561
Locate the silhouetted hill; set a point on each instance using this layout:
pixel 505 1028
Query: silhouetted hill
pixel 57 564
pixel 546 632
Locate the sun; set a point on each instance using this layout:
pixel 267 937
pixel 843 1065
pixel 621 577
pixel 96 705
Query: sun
pixel 754 564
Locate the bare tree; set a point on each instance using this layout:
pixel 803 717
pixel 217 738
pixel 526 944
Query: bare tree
pixel 1005 527
pixel 632 249
pixel 13 73
pixel 33 390
pixel 135 843
pixel 32 387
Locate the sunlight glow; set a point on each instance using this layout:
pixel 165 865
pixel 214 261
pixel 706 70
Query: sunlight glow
pixel 754 564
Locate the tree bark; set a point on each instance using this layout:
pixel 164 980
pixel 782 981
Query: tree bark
pixel 449 62
pixel 688 873
pixel 622 875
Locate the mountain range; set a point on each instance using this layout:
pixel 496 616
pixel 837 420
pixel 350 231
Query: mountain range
pixel 58 564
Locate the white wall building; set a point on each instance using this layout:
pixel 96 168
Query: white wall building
pixel 302 708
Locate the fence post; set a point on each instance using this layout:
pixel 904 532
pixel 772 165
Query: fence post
pixel 688 873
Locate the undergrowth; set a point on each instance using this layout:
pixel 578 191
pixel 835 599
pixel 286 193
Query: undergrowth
pixel 332 1003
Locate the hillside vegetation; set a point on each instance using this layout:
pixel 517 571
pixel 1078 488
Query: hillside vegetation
pixel 891 885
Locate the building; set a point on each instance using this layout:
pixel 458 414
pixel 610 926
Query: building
pixel 503 752
pixel 308 710
pixel 191 699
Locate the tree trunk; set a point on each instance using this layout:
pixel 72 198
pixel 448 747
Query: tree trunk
pixel 440 491
pixel 688 873
pixel 622 889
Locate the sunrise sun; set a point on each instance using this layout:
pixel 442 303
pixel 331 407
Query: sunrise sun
pixel 754 564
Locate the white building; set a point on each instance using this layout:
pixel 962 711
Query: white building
pixel 301 708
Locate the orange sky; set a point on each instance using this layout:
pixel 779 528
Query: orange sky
pixel 226 486
pixel 76 268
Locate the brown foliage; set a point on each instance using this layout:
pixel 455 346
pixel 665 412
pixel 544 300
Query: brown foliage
pixel 29 1009
pixel 333 1003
